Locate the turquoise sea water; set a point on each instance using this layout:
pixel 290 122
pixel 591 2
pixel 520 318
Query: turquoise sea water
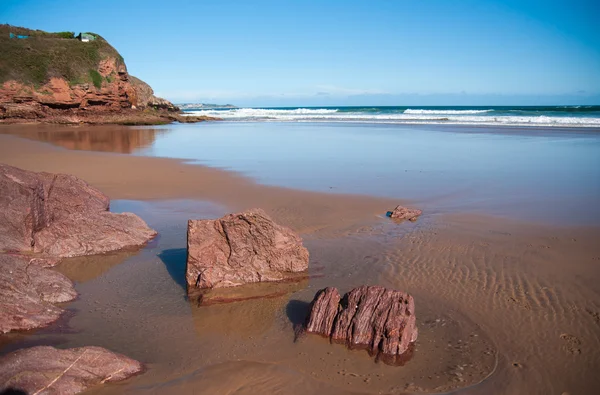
pixel 563 116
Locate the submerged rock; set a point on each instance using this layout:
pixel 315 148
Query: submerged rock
pixel 374 318
pixel 47 370
pixel 242 248
pixel 404 213
pixel 61 215
pixel 27 294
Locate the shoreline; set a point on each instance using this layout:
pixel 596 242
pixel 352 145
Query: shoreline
pixel 64 146
pixel 170 180
pixel 147 178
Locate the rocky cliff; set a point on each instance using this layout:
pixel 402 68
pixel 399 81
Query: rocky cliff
pixel 44 75
pixel 145 97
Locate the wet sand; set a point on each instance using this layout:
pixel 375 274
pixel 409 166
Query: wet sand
pixel 131 177
pixel 503 306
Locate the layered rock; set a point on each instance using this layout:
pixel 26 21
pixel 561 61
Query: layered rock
pixel 61 216
pixel 146 98
pixel 404 213
pixel 374 318
pixel 242 248
pixel 113 93
pixel 27 294
pixel 47 370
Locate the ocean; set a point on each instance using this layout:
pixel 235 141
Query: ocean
pixel 543 116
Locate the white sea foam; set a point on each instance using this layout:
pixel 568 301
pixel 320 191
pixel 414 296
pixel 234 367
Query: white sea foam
pixel 445 112
pixel 274 112
pixel 333 115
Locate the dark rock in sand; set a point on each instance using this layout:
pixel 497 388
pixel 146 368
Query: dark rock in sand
pixel 47 370
pixel 369 317
pixel 27 292
pixel 242 248
pixel 60 215
pixel 401 212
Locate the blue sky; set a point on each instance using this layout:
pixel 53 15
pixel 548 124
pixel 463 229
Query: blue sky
pixel 419 52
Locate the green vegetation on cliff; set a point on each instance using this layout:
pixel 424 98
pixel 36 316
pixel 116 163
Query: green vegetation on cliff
pixel 44 55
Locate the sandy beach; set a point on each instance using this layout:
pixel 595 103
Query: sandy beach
pixel 504 306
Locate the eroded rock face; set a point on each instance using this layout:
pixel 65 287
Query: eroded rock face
pixel 47 370
pixel 115 92
pixel 27 292
pixel 404 213
pixel 61 101
pixel 62 216
pixel 22 208
pixel 374 318
pixel 242 248
pixel 145 97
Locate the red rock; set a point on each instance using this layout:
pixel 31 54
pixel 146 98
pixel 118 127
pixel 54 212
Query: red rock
pixel 92 233
pixel 59 101
pixel 401 212
pixel 324 309
pixel 47 370
pixel 60 215
pixel 27 292
pixel 374 318
pixel 66 195
pixel 22 208
pixel 242 248
pixel 146 99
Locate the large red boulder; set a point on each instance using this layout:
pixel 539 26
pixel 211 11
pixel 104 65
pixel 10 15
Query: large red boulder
pixel 27 293
pixel 242 248
pixel 47 370
pixel 374 318
pixel 61 215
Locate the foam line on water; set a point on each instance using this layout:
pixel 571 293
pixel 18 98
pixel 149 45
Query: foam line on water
pixel 456 117
pixel 445 112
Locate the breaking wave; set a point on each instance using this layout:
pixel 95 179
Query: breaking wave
pixel 445 112
pixel 395 115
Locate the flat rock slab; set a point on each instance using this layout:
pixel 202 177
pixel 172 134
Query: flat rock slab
pixel 374 318
pixel 404 213
pixel 62 216
pixel 48 370
pixel 27 294
pixel 242 248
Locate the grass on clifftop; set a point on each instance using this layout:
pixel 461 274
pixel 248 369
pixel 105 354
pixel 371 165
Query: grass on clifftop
pixel 45 55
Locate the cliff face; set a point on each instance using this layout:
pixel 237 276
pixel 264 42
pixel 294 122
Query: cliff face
pixel 115 90
pixel 43 73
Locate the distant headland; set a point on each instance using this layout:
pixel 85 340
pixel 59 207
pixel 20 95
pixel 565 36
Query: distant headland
pixel 206 106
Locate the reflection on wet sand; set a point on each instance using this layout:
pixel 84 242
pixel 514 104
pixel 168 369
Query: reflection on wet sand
pixel 103 138
pixel 249 315
pixel 266 290
pixel 86 268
